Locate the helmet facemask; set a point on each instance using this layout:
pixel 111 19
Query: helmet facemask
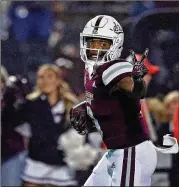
pixel 97 48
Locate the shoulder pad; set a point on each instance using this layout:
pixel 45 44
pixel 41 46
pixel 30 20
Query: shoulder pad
pixel 108 64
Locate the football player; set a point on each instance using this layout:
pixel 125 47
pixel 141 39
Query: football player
pixel 114 88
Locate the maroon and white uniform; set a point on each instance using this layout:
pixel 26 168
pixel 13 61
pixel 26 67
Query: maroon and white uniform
pixel 118 118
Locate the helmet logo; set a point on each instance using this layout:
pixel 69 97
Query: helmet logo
pixel 118 40
pixel 117 28
pixel 95 31
pixel 112 55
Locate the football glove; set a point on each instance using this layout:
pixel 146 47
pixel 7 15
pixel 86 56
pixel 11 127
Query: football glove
pixel 79 118
pixel 139 69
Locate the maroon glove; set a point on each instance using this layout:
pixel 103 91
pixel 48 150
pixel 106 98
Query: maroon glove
pixel 139 69
pixel 80 120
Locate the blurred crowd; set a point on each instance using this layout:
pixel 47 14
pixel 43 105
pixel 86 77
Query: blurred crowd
pixel 42 77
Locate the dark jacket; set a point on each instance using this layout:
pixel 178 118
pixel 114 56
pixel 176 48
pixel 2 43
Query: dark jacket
pixel 45 131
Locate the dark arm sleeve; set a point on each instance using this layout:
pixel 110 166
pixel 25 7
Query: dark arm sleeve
pixel 139 90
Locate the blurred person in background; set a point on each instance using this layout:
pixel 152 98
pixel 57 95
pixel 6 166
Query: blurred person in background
pixel 159 117
pixel 27 47
pixel 5 22
pixel 65 65
pixel 46 111
pixel 13 92
pixel 31 19
pixel 157 110
pixel 171 102
pixel 70 51
pixel 48 108
pixel 4 77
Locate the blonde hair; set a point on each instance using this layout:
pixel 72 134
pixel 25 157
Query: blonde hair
pixel 157 108
pixel 171 96
pixel 64 91
pixel 4 74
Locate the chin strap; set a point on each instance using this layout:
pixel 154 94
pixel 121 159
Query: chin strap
pixel 168 141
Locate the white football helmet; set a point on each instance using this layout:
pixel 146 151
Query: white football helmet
pixel 102 27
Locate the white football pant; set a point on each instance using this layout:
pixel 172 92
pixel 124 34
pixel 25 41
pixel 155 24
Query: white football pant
pixel 131 166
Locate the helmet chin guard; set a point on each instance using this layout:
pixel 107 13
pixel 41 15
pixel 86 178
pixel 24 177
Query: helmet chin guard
pixel 102 27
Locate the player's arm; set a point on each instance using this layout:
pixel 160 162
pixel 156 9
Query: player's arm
pixel 119 77
pixel 127 77
pixel 135 88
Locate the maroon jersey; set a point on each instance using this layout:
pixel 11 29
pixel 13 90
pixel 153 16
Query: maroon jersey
pixel 115 115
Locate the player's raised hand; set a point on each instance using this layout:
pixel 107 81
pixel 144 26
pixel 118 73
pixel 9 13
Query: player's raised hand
pixel 139 69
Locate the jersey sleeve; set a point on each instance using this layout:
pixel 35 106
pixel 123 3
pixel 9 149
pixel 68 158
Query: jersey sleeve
pixel 116 72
